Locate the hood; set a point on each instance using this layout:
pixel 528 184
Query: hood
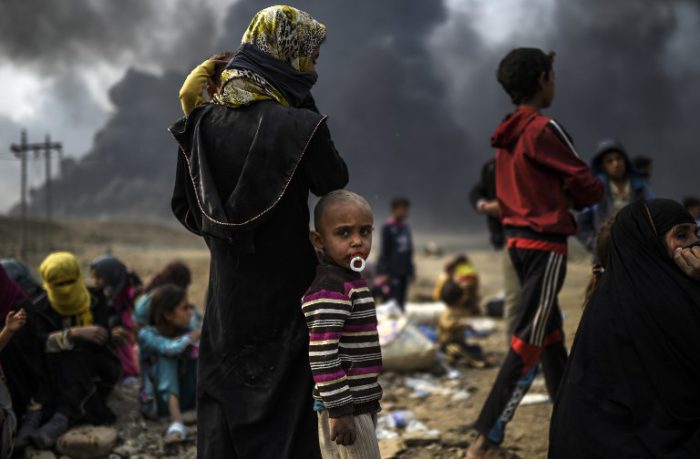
pixel 508 132
pixel 605 146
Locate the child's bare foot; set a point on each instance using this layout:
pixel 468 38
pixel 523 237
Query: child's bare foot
pixel 482 448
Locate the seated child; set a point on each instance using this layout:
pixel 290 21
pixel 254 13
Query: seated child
pixel 460 271
pixel 8 421
pixel 452 327
pixel 176 273
pixel 344 347
pixel 120 287
pixel 170 348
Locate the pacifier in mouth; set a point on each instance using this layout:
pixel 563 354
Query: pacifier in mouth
pixel 357 264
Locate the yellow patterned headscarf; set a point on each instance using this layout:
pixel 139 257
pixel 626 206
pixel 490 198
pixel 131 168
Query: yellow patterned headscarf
pixel 63 282
pixel 287 34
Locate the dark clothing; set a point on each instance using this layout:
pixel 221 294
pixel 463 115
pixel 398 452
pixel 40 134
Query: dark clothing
pixel 485 189
pixel 590 219
pixel 294 85
pixel 631 386
pixel 21 359
pixel 11 294
pixel 398 287
pixel 22 275
pixel 243 182
pixel 538 338
pixel 396 258
pixel 81 378
pixel 539 174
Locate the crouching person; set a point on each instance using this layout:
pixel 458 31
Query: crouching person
pixel 81 369
pixel 170 348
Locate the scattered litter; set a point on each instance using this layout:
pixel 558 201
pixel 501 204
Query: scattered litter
pixel 534 399
pixel 404 347
pixel 424 313
pixel 425 385
pixel 494 307
pixel 400 419
pixel 482 326
pixel 460 396
pixel 418 434
pixel 429 332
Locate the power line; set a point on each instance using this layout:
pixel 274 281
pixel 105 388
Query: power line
pixel 21 151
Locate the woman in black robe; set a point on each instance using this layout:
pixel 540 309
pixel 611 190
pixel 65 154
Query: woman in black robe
pixel 632 384
pixel 245 168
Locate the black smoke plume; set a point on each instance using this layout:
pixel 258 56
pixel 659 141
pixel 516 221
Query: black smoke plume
pixel 413 113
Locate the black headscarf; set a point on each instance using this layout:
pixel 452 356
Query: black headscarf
pixel 112 271
pixel 632 384
pixel 294 85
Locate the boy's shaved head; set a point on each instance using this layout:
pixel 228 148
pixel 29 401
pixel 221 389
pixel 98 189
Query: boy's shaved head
pixel 336 197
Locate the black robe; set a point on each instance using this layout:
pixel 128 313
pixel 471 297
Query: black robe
pixel 243 181
pixel 632 383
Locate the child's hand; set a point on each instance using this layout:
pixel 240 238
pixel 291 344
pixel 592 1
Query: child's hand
pixel 343 430
pixel 15 320
pixel 195 335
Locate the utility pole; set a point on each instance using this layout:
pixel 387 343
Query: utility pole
pixel 21 151
pixel 47 146
pixel 47 157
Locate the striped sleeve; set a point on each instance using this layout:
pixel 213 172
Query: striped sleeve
pixel 326 312
pixel 555 150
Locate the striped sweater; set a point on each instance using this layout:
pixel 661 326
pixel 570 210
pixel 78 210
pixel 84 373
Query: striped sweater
pixel 344 347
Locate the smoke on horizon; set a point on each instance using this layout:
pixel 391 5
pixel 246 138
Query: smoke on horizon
pixel 409 88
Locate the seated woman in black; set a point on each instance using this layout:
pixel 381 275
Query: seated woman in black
pixel 632 384
pixel 71 323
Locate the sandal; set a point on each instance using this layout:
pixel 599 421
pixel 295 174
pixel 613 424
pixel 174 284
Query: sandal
pixel 176 433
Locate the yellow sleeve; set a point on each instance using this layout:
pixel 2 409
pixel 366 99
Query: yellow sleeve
pixel 192 88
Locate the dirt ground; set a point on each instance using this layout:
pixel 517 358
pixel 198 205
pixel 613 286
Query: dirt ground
pixel 527 434
pixel 146 248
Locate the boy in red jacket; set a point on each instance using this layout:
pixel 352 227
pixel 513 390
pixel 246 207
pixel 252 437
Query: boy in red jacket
pixel 539 177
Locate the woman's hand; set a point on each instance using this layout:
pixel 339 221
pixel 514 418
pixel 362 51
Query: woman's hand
pixel 689 261
pixel 91 333
pixel 15 320
pixel 121 335
pixel 343 430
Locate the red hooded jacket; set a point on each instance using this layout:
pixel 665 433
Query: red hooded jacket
pixel 539 176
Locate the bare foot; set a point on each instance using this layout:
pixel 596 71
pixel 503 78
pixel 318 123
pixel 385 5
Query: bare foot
pixel 483 448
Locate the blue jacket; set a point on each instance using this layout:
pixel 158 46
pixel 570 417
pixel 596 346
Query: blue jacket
pixel 590 219
pixel 153 343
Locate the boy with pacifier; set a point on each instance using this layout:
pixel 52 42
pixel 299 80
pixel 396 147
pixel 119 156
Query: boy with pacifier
pixel 344 350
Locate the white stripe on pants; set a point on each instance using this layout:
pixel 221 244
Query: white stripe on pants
pixel 365 446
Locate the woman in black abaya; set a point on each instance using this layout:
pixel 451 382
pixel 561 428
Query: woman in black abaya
pixel 245 169
pixel 632 384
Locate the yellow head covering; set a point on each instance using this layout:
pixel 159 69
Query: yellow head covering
pixel 63 282
pixel 287 34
